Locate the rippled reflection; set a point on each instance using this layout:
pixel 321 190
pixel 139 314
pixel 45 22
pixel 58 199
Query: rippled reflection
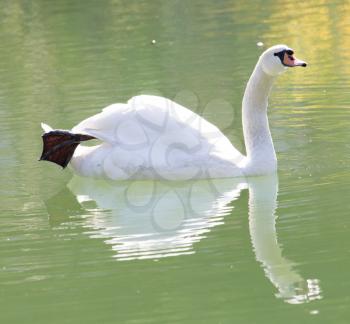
pixel 150 219
pixel 153 219
pixel 292 287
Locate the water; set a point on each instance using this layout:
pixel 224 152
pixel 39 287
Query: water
pixel 272 250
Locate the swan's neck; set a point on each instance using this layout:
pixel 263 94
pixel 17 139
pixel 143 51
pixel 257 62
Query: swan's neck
pixel 261 156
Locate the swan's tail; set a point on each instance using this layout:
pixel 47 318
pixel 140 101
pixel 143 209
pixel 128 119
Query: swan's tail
pixel 59 145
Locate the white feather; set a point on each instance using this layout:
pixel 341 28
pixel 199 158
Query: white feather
pixel 46 128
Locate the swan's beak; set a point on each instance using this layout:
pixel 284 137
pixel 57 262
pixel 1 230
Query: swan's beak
pixel 291 61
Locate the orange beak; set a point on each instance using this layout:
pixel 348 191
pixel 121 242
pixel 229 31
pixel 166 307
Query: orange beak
pixel 291 61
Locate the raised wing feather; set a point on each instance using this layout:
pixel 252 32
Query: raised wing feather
pixel 144 120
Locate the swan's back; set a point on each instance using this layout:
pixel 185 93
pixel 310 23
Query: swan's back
pixel 152 137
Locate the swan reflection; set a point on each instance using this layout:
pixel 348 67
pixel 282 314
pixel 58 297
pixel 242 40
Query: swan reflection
pixel 153 219
pixel 292 287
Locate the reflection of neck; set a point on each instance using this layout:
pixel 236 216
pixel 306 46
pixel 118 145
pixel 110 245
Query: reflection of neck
pixel 256 130
pixel 262 206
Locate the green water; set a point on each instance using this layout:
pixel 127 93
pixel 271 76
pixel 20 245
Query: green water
pixel 226 251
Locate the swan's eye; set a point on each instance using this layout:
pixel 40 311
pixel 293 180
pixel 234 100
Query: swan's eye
pixel 290 52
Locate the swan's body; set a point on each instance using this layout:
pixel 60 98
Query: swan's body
pixel 152 137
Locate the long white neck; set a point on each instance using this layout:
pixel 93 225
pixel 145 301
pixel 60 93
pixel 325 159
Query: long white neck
pixel 261 156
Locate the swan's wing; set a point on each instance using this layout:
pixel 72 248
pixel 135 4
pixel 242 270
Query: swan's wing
pixel 145 120
pixel 104 124
pixel 182 126
pixel 131 123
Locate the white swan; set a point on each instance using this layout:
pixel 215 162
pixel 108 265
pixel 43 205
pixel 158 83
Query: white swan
pixel 152 137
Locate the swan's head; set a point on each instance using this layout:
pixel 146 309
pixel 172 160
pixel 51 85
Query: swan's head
pixel 276 59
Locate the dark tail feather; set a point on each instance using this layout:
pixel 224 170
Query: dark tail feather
pixel 59 146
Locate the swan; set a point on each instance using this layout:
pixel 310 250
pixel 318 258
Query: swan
pixel 152 137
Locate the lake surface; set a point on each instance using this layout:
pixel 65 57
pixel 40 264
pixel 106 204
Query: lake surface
pixel 263 250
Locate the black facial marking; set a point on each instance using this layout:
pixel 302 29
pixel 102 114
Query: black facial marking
pixel 288 51
pixel 280 55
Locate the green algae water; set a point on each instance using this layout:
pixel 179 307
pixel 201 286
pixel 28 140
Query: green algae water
pixel 264 250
